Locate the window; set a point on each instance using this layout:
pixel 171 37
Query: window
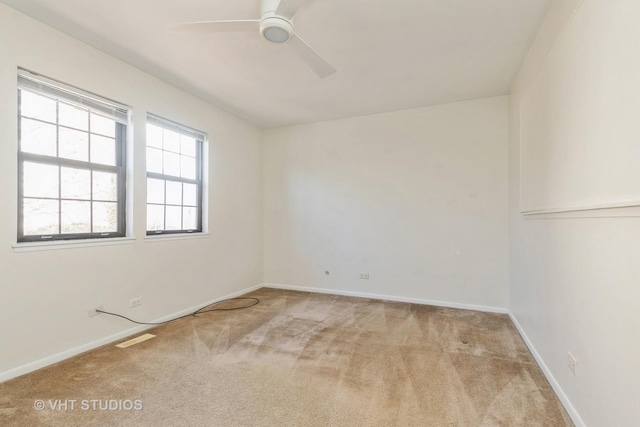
pixel 174 177
pixel 71 173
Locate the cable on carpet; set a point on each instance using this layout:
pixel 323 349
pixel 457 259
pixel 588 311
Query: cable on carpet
pixel 195 313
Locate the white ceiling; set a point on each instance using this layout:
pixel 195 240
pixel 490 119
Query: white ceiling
pixel 389 54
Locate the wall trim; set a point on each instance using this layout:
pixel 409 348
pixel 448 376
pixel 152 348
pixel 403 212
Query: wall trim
pixel 485 308
pixel 571 410
pixel 58 357
pixel 606 207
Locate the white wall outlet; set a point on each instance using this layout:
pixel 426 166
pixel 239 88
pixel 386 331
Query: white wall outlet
pixel 93 310
pixel 572 363
pixel 364 275
pixel 134 302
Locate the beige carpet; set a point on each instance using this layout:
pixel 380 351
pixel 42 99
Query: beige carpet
pixel 300 359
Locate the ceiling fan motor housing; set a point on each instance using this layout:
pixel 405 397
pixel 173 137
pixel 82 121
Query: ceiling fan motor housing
pixel 276 29
pixel 273 27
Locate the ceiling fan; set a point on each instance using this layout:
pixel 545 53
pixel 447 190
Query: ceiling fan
pixel 275 25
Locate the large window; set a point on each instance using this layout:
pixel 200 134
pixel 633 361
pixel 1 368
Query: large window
pixel 174 177
pixel 70 162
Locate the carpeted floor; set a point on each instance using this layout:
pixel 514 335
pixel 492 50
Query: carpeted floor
pixel 300 359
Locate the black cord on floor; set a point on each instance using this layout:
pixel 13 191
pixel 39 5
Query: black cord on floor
pixel 195 313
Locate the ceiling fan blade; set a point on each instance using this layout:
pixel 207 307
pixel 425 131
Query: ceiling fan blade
pixel 288 8
pixel 311 57
pixel 218 26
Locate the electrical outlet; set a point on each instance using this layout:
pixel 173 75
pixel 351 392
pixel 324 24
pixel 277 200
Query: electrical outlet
pixel 92 311
pixel 572 363
pixel 364 275
pixel 134 302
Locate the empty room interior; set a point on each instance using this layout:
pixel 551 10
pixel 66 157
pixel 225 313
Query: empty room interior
pixel 320 212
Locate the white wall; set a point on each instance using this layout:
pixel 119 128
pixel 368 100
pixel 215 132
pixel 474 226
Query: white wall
pixel 416 198
pixel 44 296
pixel 575 278
pixel 566 159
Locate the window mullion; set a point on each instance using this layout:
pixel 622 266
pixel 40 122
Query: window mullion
pixel 155 175
pixel 70 163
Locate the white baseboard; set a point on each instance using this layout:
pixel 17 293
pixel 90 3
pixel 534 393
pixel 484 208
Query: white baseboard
pixel 54 358
pixel 484 308
pixel 575 417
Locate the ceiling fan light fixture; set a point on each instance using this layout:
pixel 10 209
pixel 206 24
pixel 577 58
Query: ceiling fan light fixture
pixel 276 29
pixel 275 35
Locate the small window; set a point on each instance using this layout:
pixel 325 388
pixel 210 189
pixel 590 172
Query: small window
pixel 71 159
pixel 174 177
